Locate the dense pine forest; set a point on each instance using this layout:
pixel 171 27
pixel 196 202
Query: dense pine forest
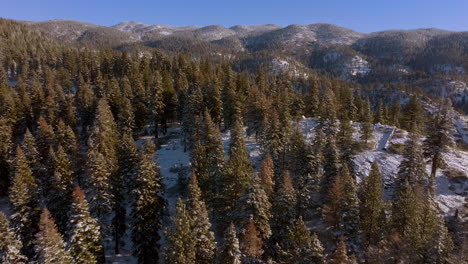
pixel 269 165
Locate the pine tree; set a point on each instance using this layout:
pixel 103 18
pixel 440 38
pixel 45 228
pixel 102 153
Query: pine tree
pixel 102 162
pixel 366 123
pixel 303 247
pixel 380 116
pixel 126 117
pixel 10 245
pixel 346 143
pixel 340 255
pixel 61 189
pixel 413 119
pixel 394 115
pixel 101 200
pixel 104 135
pixel 84 237
pixel 327 121
pixel 239 167
pixel 215 103
pixel 6 149
pixel 228 96
pixel 24 198
pixel 30 151
pixel 371 207
pixel 181 245
pixel 440 250
pixel 318 147
pixel 272 140
pixel 67 139
pixel 330 164
pixel 204 239
pixel 229 251
pixel 254 204
pixel 169 97
pixel 49 244
pixel 437 142
pixel 298 158
pixel 156 102
pixel 121 182
pixel 404 212
pixel 350 212
pixel 251 243
pixel 312 100
pixel 85 102
pixel 412 167
pixel 283 215
pixel 214 159
pixel 45 139
pixel 147 209
pixel 266 175
pixel 333 206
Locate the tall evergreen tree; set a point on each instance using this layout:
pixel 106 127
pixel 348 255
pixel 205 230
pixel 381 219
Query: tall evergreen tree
pixel 298 158
pixel 312 100
pixel 147 209
pixel 303 247
pixel 84 237
pixel 204 239
pixel 85 102
pixel 366 122
pixel 437 142
pixel 327 121
pixel 372 206
pixel 340 256
pixel 254 204
pixel 412 167
pixel 61 189
pixel 346 143
pixel 350 212
pixel 251 243
pixel 24 197
pixel 181 245
pixel 10 245
pixel 266 175
pixel 30 150
pixel 272 141
pixel 283 215
pixel 333 206
pixel 126 117
pixel 102 162
pixel 330 164
pixel 45 139
pixel 240 169
pixel 49 244
pixel 413 119
pixel 229 251
pixel 6 149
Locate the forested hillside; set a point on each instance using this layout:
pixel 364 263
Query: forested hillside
pixel 156 154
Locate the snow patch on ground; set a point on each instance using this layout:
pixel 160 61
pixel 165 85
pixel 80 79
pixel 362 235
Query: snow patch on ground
pixel 358 66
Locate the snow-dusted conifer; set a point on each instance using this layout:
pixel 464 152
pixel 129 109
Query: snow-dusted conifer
pixel 147 208
pixel 84 237
pixel 49 244
pixel 24 197
pixel 201 227
pixel 10 245
pixel 181 245
pixel 229 251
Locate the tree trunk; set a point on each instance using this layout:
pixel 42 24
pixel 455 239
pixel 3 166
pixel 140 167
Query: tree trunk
pixel 435 161
pixel 156 132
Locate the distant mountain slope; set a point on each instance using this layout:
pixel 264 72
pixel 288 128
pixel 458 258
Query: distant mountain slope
pixel 390 56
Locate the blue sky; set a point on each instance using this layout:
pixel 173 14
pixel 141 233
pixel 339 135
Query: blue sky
pixel 360 15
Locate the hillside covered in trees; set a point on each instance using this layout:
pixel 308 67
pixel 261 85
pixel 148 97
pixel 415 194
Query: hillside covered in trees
pixel 144 155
